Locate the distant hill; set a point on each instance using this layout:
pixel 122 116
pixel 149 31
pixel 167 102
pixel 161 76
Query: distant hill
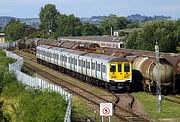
pixel 142 18
pixel 4 20
pixel 93 20
pixel 133 18
pixel 34 22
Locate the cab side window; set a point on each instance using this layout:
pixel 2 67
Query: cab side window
pixel 112 67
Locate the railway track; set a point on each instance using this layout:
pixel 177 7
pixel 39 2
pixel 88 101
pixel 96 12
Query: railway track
pixel 123 113
pixel 173 100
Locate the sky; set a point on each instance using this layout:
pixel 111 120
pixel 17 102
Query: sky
pixel 88 8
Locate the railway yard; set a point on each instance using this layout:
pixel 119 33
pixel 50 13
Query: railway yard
pixel 123 103
pixel 65 64
pixel 87 97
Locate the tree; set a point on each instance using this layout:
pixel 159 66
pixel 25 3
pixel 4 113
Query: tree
pixel 113 21
pixel 177 24
pixel 163 32
pixel 14 30
pixel 90 29
pixel 48 15
pixel 68 25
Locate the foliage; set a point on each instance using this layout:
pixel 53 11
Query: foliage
pixel 4 61
pixel 50 107
pixel 27 105
pixel 163 32
pixel 48 15
pixel 68 25
pixel 38 34
pixel 113 21
pixel 133 25
pixel 90 30
pixel 177 24
pixel 14 30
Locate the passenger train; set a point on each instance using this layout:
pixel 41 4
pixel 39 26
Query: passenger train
pixel 106 71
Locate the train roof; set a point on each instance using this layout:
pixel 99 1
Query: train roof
pixel 119 60
pixel 95 57
pixel 94 38
pixel 45 46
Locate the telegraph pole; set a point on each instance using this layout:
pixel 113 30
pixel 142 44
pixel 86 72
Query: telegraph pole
pixel 158 82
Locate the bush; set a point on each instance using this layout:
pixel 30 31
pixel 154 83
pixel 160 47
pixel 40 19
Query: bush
pixel 42 106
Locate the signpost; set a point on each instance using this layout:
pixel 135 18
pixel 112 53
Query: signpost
pixel 106 109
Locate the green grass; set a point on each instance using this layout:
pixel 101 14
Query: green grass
pixel 19 104
pixel 32 56
pixel 4 61
pixel 169 109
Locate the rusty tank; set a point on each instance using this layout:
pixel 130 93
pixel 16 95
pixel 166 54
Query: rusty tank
pixel 148 67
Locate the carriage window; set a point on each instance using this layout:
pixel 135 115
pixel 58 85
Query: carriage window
pixel 93 66
pixel 113 68
pixel 98 67
pixel 119 68
pixel 104 68
pixel 88 65
pixel 65 59
pixel 126 68
pixel 84 63
pixel 72 60
pixel 75 62
pixel 79 62
pixel 69 61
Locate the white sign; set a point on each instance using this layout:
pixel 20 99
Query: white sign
pixel 106 109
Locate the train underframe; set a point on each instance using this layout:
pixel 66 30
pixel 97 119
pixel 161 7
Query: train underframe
pixel 150 86
pixel 111 86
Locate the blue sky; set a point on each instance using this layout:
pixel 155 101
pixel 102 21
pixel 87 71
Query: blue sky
pixel 87 8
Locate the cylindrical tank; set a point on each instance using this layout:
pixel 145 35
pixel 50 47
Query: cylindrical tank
pixel 147 66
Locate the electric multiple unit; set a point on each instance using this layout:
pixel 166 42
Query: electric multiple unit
pixel 115 73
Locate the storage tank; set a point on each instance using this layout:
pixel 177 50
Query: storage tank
pixel 147 66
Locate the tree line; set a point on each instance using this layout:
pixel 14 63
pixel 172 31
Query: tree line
pixel 54 24
pixel 166 33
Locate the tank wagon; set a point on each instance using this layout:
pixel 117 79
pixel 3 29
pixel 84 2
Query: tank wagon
pixel 107 71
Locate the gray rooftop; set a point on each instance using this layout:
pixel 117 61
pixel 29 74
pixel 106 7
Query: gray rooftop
pixel 95 38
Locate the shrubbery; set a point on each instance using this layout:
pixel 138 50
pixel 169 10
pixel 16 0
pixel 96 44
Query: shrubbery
pixel 24 104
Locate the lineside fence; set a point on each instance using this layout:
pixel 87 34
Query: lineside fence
pixel 8 45
pixel 38 83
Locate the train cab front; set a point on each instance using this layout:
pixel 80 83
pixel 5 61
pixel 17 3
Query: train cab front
pixel 120 75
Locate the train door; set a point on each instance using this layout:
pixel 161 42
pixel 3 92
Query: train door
pixel 120 75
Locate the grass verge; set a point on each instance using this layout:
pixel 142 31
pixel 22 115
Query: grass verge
pixel 170 110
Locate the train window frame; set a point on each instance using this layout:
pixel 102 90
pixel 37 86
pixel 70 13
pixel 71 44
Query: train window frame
pixel 114 65
pixel 65 58
pixel 98 67
pixel 125 67
pixel 88 65
pixel 79 62
pixel 84 64
pixel 119 69
pixel 93 66
pixel 104 68
pixel 69 60
pixel 72 60
pixel 75 62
